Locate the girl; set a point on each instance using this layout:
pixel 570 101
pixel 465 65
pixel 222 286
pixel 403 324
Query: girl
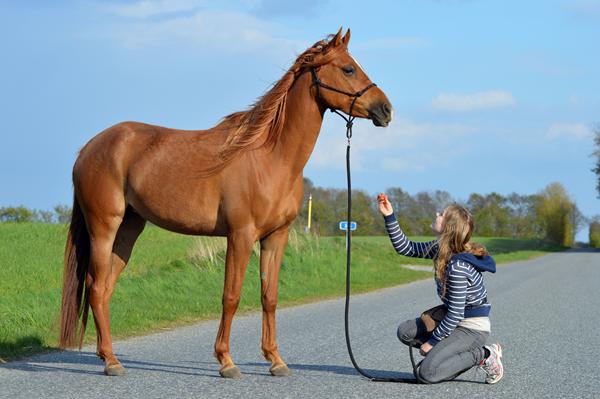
pixel 457 343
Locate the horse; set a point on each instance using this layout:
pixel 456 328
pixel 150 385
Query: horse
pixel 241 179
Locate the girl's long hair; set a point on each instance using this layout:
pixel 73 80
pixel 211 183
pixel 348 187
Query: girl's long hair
pixel 456 233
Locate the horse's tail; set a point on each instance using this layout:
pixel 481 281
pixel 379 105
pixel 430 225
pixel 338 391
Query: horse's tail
pixel 75 302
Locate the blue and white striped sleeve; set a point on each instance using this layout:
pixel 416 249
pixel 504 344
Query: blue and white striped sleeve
pixel 406 247
pixel 456 296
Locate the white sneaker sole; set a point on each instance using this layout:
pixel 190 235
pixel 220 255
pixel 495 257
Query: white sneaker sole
pixel 502 373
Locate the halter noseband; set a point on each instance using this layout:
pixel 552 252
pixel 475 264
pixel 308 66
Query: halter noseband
pixel 349 120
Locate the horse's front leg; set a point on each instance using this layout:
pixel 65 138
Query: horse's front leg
pixel 271 253
pixel 239 247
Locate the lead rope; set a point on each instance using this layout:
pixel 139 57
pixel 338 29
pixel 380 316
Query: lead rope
pixel 348 261
pixel 349 123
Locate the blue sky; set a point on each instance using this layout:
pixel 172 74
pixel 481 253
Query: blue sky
pixel 489 95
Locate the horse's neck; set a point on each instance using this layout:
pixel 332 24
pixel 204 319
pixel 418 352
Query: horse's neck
pixel 301 129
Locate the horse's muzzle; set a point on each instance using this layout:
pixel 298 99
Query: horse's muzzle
pixel 381 113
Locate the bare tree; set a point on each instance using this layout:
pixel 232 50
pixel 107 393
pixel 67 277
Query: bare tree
pixel 596 154
pixel 63 213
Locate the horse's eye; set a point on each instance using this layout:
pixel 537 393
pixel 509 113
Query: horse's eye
pixel 348 70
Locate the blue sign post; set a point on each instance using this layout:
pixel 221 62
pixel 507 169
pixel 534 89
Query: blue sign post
pixel 344 225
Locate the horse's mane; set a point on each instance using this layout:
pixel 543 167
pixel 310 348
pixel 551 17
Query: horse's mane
pixel 262 124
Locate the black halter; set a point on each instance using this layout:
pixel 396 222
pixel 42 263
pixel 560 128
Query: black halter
pixel 350 119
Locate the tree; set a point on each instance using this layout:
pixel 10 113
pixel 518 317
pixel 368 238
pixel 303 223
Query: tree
pixel 597 155
pixel 63 213
pixel 404 209
pixel 441 199
pixel 328 209
pixel 558 214
pixel 491 213
pixel 595 232
pixel 365 214
pixel 17 214
pixel 44 216
pixel 549 214
pixel 524 223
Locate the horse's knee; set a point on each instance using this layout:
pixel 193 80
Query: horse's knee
pixel 97 292
pixel 101 292
pixel 230 302
pixel 269 304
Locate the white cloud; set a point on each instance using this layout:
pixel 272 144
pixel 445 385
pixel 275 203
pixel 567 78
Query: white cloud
pixel 574 99
pixel 220 31
pixel 150 8
pixel 403 165
pixel 191 25
pixel 404 146
pixel 391 43
pixel 576 131
pixel 549 65
pixel 583 8
pixel 475 101
pixel 277 8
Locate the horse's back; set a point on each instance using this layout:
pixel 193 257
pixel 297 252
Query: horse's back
pixel 129 138
pixel 158 172
pixel 115 149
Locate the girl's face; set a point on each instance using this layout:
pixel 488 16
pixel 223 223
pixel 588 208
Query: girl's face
pixel 438 223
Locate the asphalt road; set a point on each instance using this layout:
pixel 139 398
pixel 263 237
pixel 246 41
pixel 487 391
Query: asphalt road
pixel 545 314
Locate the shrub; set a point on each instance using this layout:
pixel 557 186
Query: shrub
pixel 595 234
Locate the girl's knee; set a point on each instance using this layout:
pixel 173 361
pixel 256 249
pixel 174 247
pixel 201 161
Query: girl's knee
pixel 407 331
pixel 428 374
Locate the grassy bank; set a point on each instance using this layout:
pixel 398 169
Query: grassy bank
pixel 174 280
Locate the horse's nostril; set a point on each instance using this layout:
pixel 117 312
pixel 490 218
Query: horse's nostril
pixel 386 109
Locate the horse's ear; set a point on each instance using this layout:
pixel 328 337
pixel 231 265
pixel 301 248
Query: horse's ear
pixel 346 37
pixel 337 39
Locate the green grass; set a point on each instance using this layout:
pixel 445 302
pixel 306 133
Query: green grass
pixel 171 281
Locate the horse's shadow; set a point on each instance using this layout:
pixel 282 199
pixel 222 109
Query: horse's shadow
pixel 351 371
pixel 67 362
pixel 341 370
pixel 62 362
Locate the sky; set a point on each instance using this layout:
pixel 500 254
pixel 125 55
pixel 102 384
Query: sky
pixel 488 96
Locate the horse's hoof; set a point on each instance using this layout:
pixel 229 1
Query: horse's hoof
pixel 231 372
pixel 280 370
pixel 114 369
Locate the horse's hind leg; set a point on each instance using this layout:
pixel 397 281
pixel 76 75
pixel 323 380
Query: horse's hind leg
pixel 112 243
pixel 103 231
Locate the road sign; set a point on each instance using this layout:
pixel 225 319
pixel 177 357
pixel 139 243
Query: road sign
pixel 344 225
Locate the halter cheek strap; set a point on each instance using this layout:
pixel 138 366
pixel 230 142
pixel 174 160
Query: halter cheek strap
pixel 350 119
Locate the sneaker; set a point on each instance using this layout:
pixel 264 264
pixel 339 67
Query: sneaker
pixel 493 364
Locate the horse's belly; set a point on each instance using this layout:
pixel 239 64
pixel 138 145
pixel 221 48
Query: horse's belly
pixel 183 213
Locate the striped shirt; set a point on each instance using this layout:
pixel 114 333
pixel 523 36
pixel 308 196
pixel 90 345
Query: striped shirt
pixel 465 291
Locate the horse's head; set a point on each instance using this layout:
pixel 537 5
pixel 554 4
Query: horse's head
pixel 340 83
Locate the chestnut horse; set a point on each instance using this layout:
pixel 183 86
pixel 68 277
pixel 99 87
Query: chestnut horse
pixel 241 179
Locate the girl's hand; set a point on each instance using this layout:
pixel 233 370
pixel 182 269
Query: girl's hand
pixel 425 348
pixel 384 205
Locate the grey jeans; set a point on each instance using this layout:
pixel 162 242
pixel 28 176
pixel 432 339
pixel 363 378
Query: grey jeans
pixel 453 355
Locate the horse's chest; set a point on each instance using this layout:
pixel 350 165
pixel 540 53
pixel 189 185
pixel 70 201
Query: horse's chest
pixel 281 208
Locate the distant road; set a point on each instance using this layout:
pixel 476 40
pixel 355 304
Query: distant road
pixel 545 314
